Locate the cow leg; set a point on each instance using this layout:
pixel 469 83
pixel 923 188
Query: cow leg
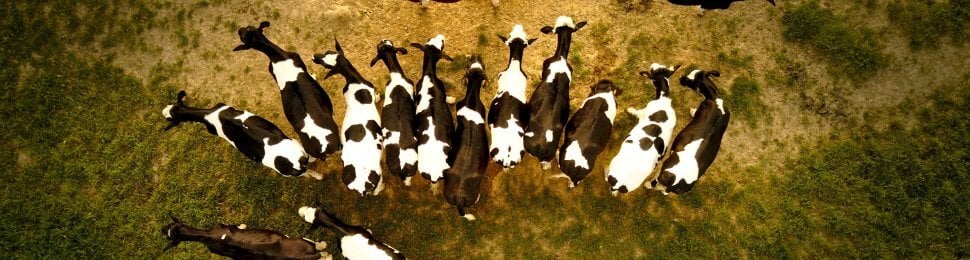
pixel 314 174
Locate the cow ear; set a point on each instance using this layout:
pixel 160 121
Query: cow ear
pixel 645 73
pixel 174 219
pixel 331 73
pixel 714 73
pixel 546 29
pixel 374 61
pixel 241 47
pixel 676 67
pixel 180 97
pixel 446 57
pixel 170 125
pixel 580 25
pixel 532 40
pixel 402 50
pixel 263 24
pixel 500 37
pixel 171 245
pixel 337 43
pixel 417 45
pixel 617 91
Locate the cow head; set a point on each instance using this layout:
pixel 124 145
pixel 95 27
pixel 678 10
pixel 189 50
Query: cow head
pixel 605 86
pixel 700 81
pixel 476 71
pixel 332 59
pixel 252 37
pixel 659 71
pixel 517 37
pixel 386 50
pixel 434 49
pixel 171 232
pixel 564 24
pixel 172 119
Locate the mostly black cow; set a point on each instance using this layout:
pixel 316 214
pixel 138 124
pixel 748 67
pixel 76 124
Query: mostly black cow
pixel 508 113
pixel 356 242
pixel 549 104
pixel 256 138
pixel 433 119
pixel 305 104
pixel 648 141
pixel 362 139
pixel 697 145
pixel 397 115
pixel 239 242
pixel 588 132
pixel 463 181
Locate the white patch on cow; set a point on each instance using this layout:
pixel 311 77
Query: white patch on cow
pixel 330 59
pixel 517 33
pixel 407 181
pixel 530 134
pixel 564 21
pixel 313 130
pixel 424 94
pixel 545 165
pixel 407 156
pixel 657 66
pixel 397 81
pixel 286 71
pixel 508 143
pixel 610 112
pixel 720 105
pixel 357 246
pixel 167 111
pixel 512 81
pixel 308 214
pixel 693 74
pixel 438 42
pixel 471 115
pixel 549 136
pixel 559 66
pixel 687 168
pixel 575 153
pixel 242 226
pixel 287 148
pixel 364 155
pixel 632 165
pixel 475 65
pixel 432 159
pixel 213 118
pixel 224 236
pixel 245 115
pixel 169 233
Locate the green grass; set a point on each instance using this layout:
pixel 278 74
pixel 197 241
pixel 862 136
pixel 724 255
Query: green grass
pixel 744 100
pixel 927 22
pixel 850 50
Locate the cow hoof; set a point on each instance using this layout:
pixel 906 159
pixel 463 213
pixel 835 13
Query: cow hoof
pixel 469 217
pixel 407 181
pixel 450 100
pixel 314 174
pixel 312 159
pixel 631 110
pixel 615 193
pixel 546 165
pixel 320 246
pixel 692 110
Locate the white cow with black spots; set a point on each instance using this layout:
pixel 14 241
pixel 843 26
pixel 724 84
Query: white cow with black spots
pixel 355 242
pixel 647 142
pixel 362 139
pixel 508 113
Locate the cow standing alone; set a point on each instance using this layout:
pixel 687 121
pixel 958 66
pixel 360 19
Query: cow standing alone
pixel 508 113
pixel 549 104
pixel 239 242
pixel 588 132
pixel 397 115
pixel 696 146
pixel 306 106
pixel 355 242
pixel 256 138
pixel 362 138
pixel 463 181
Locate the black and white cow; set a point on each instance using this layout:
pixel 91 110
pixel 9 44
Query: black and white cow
pixel 588 132
pixel 397 115
pixel 356 242
pixel 305 104
pixel 239 242
pixel 508 113
pixel 361 139
pixel 256 138
pixel 433 114
pixel 706 5
pixel 696 146
pixel 648 141
pixel 549 104
pixel 463 181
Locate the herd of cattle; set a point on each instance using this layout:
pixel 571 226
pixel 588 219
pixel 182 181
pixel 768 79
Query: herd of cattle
pixel 414 132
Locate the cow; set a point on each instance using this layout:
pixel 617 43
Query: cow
pixel 549 104
pixel 588 132
pixel 361 139
pixel 508 113
pixel 356 242
pixel 706 5
pixel 306 106
pixel 397 115
pixel 433 119
pixel 648 141
pixel 240 242
pixel 696 146
pixel 256 138
pixel 463 181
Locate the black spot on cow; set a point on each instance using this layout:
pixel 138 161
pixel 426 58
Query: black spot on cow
pixel 652 130
pixel 355 133
pixel 623 189
pixel 493 152
pixel 284 166
pixel 349 174
pixel 629 141
pixel 611 180
pixel 374 128
pixel 426 175
pixel 659 117
pixel 659 145
pixel 374 177
pixel 363 96
pixel 646 143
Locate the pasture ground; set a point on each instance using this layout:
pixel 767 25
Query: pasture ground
pixel 849 138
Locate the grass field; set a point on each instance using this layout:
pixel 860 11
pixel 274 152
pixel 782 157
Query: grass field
pixel 849 140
